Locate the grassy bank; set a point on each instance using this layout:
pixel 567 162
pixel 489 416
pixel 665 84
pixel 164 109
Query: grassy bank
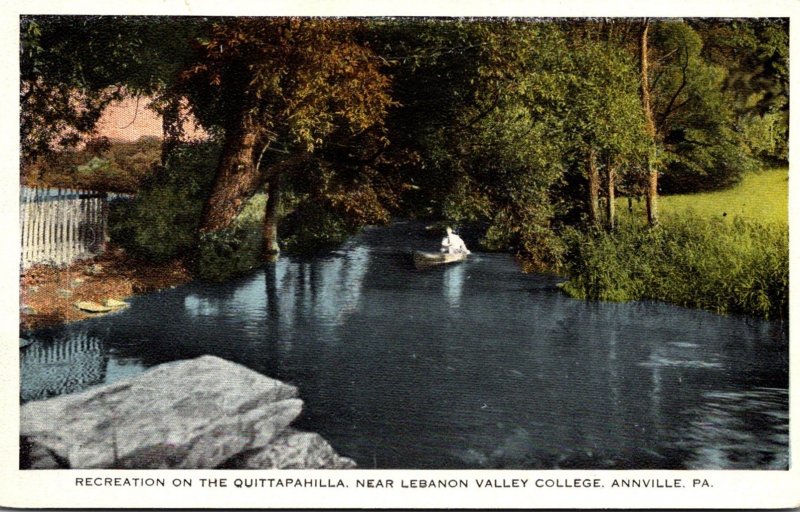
pixel 761 197
pixel 732 263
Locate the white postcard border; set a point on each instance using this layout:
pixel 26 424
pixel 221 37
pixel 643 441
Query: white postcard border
pixel 58 488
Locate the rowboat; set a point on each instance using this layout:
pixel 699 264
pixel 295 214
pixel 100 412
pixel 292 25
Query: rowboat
pixel 428 259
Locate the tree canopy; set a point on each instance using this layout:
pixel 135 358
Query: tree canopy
pixel 515 127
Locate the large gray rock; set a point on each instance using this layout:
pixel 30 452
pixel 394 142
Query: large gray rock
pixel 200 413
pixel 295 450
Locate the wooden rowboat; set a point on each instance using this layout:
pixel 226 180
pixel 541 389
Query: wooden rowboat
pixel 429 259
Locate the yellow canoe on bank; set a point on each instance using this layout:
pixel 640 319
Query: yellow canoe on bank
pixel 94 307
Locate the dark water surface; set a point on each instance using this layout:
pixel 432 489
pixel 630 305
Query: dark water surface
pixel 471 366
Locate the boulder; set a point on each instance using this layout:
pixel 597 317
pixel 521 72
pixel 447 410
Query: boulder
pixel 295 450
pixel 35 456
pixel 200 413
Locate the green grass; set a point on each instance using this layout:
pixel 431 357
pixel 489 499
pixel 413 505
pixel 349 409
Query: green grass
pixel 724 251
pixel 761 196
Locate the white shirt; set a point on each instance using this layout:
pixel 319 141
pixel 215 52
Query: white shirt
pixel 453 244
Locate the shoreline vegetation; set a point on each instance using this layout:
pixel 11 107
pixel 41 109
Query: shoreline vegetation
pixel 701 256
pixel 726 267
pixel 725 251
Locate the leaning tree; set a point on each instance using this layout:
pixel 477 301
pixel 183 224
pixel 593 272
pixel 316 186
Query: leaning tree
pixel 283 91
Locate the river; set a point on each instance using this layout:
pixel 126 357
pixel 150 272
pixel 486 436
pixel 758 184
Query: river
pixel 476 365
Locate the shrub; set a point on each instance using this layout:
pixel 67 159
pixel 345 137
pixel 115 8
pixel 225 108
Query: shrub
pixel 727 267
pixel 234 251
pixel 161 221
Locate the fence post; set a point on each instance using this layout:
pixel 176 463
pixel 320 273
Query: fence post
pixel 57 245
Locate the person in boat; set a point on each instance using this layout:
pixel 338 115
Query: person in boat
pixel 453 244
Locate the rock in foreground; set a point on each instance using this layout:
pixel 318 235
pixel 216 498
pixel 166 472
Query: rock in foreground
pixel 200 413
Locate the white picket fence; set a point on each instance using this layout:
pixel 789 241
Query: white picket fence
pixel 60 226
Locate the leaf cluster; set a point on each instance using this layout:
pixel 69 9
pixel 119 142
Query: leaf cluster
pixel 300 79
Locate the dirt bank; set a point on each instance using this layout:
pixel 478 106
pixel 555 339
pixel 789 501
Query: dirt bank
pixel 48 294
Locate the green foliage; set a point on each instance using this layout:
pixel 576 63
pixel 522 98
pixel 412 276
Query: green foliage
pixel 702 149
pixel 765 136
pixel 160 223
pixel 737 267
pixel 94 165
pixel 99 171
pixel 755 55
pixel 484 108
pixel 724 251
pixel 307 225
pixel 313 228
pixel 235 250
pixel 605 126
pixel 605 112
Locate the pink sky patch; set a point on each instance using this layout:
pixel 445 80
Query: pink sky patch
pixel 130 119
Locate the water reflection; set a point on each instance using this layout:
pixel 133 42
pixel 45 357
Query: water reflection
pixel 473 365
pixel 200 306
pixel 739 430
pixel 454 284
pixel 64 364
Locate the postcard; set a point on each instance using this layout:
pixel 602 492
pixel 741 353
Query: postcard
pixel 337 255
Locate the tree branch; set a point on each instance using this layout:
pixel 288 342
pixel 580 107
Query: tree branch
pixel 669 110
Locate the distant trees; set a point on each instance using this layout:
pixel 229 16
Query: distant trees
pixel 702 145
pixel 754 54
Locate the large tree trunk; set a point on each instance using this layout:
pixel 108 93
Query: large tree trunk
pixel 651 190
pixel 593 186
pixel 270 228
pixel 611 183
pixel 237 177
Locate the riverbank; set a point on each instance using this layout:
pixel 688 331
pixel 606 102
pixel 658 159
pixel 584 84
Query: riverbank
pixel 48 294
pixel 724 251
pixel 727 267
